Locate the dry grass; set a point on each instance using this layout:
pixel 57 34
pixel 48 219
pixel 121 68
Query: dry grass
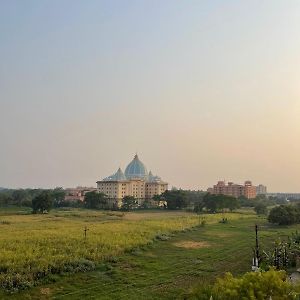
pixel 192 244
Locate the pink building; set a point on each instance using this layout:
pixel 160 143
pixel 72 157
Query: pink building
pixel 74 194
pixel 236 190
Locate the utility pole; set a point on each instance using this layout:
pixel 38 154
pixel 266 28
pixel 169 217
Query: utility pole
pixel 85 230
pixel 255 263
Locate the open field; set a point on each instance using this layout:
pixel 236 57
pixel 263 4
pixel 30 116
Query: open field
pixel 131 263
pixel 34 246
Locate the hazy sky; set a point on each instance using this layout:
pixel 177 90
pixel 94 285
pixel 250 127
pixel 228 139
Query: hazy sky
pixel 202 90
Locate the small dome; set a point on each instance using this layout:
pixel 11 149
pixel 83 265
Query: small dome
pixel 136 169
pixel 152 178
pixel 118 176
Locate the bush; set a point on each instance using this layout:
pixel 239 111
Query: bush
pixel 255 285
pixel 252 285
pixel 81 265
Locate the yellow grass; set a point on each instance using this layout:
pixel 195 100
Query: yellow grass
pixel 35 244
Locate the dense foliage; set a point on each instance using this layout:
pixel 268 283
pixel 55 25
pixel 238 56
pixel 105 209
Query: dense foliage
pixel 42 203
pixel 285 215
pixel 261 208
pixel 24 197
pixel 267 201
pixel 95 200
pixel 284 254
pixel 176 199
pixel 252 285
pixel 128 203
pixel 215 203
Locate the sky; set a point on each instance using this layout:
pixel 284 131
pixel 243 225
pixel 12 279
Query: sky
pixel 201 90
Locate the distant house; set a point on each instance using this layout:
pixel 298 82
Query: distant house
pixel 77 194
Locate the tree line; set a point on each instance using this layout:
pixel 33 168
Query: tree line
pixel 198 201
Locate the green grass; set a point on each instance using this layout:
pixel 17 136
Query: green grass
pixel 162 269
pixel 33 247
pixel 14 210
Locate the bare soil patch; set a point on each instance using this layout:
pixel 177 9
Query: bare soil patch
pixel 192 244
pixel 223 234
pixel 45 291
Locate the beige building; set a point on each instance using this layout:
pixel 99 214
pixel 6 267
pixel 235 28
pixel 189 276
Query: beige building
pixel 236 190
pixel 136 182
pixel 261 190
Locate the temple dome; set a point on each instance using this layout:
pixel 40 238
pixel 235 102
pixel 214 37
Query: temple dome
pixel 136 169
pixel 118 176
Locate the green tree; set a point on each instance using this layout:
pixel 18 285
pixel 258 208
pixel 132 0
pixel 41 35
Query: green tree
pixel 18 196
pixel 176 199
pixel 128 203
pixel 283 215
pixel 214 203
pixel 4 198
pixel 260 208
pixel 95 200
pixel 146 204
pixel 157 198
pixel 58 194
pixel 42 203
pixel 231 203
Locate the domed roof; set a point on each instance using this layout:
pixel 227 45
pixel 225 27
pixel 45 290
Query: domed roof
pixel 152 178
pixel 118 176
pixel 136 169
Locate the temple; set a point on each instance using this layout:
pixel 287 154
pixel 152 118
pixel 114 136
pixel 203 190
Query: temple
pixel 136 182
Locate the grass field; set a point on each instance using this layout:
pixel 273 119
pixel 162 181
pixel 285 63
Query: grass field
pixel 131 263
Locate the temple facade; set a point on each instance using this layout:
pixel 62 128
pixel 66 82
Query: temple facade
pixel 136 182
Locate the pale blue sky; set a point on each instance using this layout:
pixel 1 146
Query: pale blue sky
pixel 203 90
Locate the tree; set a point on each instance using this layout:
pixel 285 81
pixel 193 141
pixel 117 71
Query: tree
pixel 157 198
pixel 176 199
pixel 146 204
pixel 58 194
pixel 214 203
pixel 4 199
pixel 260 208
pixel 198 207
pixel 95 200
pixel 42 203
pixel 19 196
pixel 231 203
pixel 283 215
pixel 128 203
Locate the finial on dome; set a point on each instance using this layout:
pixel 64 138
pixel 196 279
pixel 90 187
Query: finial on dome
pixel 136 156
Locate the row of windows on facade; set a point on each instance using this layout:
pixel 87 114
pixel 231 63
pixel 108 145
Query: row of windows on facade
pixel 135 188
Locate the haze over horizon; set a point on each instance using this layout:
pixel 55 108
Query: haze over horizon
pixel 201 90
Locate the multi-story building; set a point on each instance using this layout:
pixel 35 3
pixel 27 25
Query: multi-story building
pixel 236 190
pixel 261 189
pixel 136 182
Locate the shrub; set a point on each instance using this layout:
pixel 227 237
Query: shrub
pixel 81 265
pixel 252 285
